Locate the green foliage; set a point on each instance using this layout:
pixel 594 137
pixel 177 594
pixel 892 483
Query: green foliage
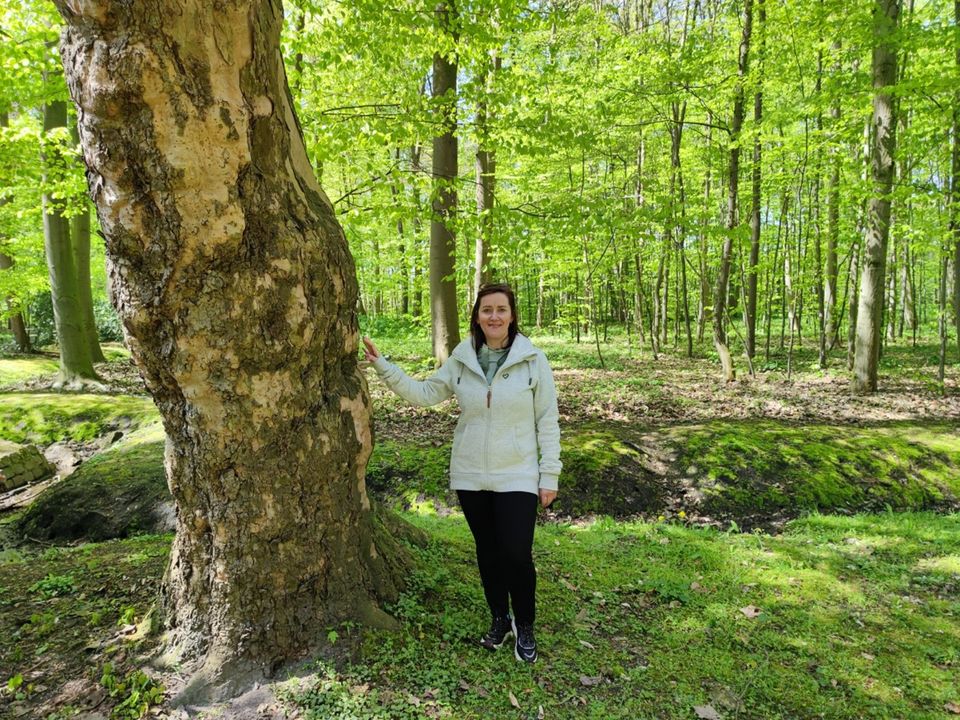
pixel 54 585
pixel 137 693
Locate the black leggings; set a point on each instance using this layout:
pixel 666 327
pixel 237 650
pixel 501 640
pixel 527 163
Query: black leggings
pixel 502 525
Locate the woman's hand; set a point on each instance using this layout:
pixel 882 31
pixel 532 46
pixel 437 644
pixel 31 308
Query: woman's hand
pixel 547 497
pixel 370 351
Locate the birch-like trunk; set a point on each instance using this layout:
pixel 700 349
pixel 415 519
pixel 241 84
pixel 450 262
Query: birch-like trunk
pixel 238 295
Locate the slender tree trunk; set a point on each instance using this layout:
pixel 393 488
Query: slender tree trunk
pixel 955 192
pixel 443 283
pixel 20 335
pixel 238 296
pixel 704 299
pixel 833 231
pixel 418 240
pixel 723 276
pixel 402 240
pixel 486 180
pixel 80 240
pixel 870 313
pixel 753 267
pixel 76 365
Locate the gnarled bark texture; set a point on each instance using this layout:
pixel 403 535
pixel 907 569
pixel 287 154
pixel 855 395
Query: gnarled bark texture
pixel 237 293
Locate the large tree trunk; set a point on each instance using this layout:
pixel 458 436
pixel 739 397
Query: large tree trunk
pixel 237 293
pixel 723 276
pixel 76 365
pixel 870 313
pixel 443 283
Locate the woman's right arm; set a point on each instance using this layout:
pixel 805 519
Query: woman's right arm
pixel 435 389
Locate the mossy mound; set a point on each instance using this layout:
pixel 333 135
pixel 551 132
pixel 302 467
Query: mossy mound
pixel 118 493
pixel 752 469
pixel 408 474
pixel 605 474
pixel 44 418
pixel 602 474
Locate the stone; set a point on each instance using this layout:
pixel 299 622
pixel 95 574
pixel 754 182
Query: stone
pixel 22 464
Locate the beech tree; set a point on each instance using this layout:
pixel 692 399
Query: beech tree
pixel 238 296
pixel 882 144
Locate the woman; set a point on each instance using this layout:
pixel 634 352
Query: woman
pixel 508 410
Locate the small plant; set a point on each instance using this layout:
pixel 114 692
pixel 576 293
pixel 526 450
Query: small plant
pixel 54 585
pixel 127 616
pixel 137 692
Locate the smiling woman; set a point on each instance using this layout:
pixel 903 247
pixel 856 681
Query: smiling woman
pixel 505 456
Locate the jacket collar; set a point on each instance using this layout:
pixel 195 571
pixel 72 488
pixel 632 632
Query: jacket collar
pixel 520 350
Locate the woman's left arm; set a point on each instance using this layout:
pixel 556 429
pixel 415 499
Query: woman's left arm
pixel 548 430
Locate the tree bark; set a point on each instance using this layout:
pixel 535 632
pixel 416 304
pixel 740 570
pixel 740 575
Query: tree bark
pixel 955 190
pixel 237 294
pixel 870 313
pixel 833 231
pixel 20 335
pixel 753 268
pixel 723 276
pixel 80 241
pixel 76 365
pixel 486 180
pixel 443 284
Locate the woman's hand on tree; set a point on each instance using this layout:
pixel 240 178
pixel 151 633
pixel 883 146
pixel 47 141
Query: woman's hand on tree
pixel 547 497
pixel 370 351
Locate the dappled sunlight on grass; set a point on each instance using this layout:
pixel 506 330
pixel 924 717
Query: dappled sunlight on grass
pixel 15 369
pixel 49 417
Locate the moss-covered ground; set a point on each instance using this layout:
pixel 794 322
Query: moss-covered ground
pixel 836 617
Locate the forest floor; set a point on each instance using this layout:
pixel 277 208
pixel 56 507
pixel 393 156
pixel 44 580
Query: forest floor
pixel 647 610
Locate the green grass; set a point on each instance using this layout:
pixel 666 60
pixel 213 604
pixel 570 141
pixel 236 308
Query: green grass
pixel 44 418
pixel 17 368
pixel 859 619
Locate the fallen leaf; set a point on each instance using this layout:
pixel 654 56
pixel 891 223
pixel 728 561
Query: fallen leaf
pixel 540 715
pixel 751 611
pixel 413 700
pixel 706 712
pixel 587 645
pixel 568 585
pixel 696 587
pixel 514 701
pixel 866 656
pixel 464 685
pixel 587 681
pixel 952 707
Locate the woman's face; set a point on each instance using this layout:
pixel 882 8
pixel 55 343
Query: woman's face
pixel 495 318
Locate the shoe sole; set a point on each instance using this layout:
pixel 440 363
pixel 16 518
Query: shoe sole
pixel 492 647
pixel 516 653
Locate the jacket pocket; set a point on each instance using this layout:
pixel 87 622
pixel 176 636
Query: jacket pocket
pixel 466 456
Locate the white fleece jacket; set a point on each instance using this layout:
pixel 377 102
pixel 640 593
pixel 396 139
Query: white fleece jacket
pixel 501 426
